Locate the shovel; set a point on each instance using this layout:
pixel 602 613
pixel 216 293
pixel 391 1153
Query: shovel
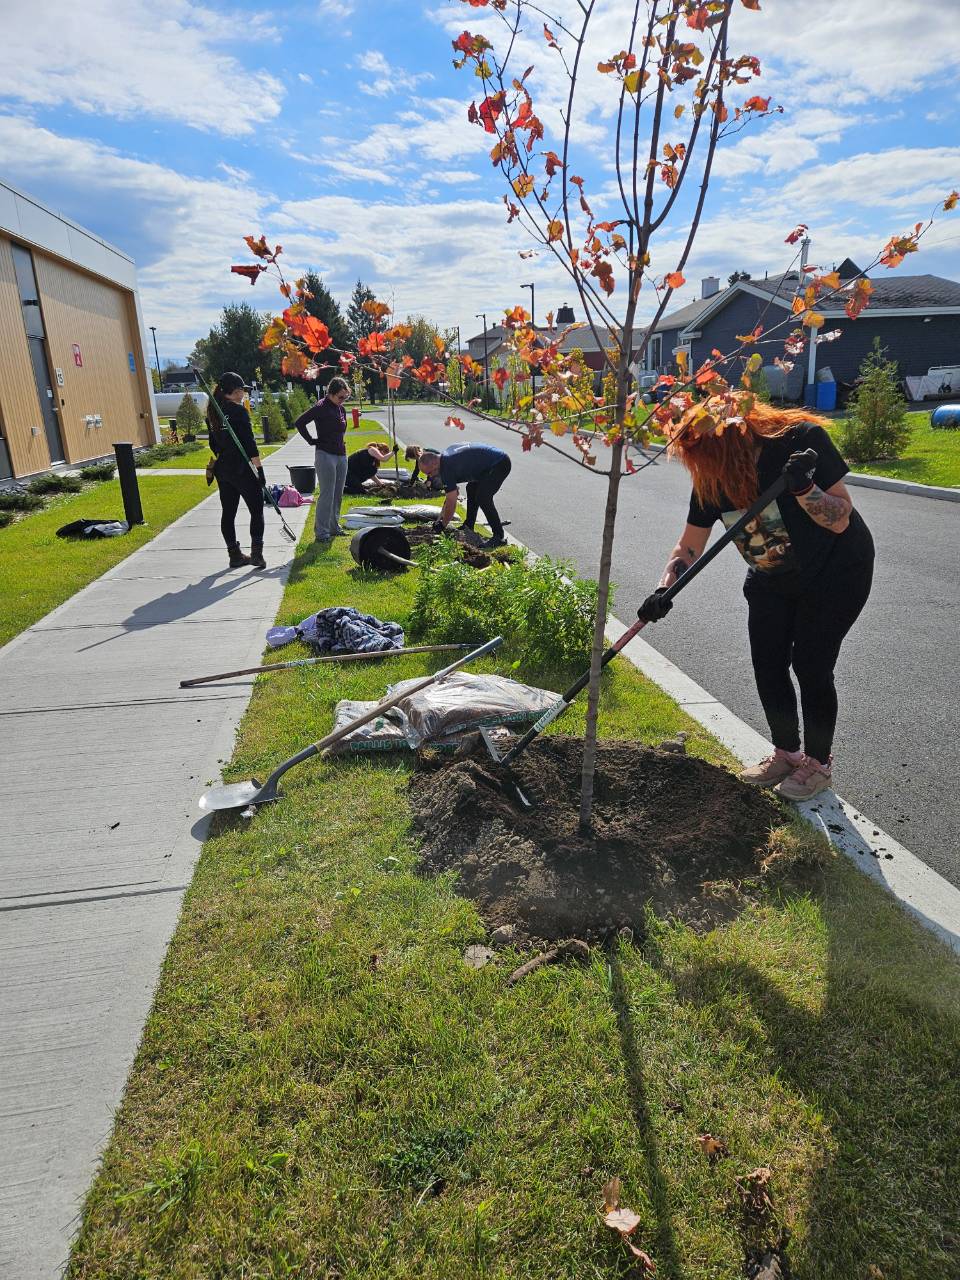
pixel 512 786
pixel 242 795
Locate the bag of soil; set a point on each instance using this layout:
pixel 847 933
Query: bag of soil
pixel 377 735
pixel 102 528
pixel 464 702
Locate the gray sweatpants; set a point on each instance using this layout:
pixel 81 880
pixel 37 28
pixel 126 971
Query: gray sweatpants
pixel 331 472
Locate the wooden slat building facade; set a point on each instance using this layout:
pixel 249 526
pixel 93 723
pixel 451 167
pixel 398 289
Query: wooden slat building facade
pixel 73 375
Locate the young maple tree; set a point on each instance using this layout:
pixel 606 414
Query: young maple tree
pixel 677 92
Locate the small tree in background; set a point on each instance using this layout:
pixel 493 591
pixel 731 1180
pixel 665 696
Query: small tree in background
pixel 876 427
pixel 189 417
pixel 271 420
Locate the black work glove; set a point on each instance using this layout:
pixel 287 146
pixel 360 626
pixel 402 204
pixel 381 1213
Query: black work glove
pixel 437 526
pixel 655 607
pixel 261 477
pixel 395 450
pixel 799 471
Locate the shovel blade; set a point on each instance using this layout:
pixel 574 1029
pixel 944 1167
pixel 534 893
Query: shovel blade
pixel 233 795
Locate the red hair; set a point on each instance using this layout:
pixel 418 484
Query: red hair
pixel 723 463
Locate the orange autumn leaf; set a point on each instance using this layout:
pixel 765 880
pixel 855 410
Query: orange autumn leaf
pixel 294 363
pixel 674 280
pixel 751 4
pixel 501 377
pixel 555 229
pixel 523 185
pixel 454 421
pixel 757 104
pixel 273 334
pixel 379 310
pixel 951 201
pixel 259 247
pixel 252 272
pixel 798 232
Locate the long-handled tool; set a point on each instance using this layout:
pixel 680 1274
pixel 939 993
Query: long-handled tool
pixel 240 795
pixel 769 495
pixel 225 423
pixel 330 657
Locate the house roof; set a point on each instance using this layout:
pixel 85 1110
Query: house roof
pixel 889 291
pixel 683 317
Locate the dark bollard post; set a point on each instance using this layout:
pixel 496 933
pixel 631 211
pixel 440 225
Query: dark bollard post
pixel 127 475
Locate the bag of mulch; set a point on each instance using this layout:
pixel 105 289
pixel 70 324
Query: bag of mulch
pixel 463 702
pixel 380 734
pixel 93 529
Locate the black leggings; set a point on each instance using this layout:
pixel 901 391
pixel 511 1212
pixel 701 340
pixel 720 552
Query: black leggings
pixel 232 489
pixel 806 633
pixel 480 495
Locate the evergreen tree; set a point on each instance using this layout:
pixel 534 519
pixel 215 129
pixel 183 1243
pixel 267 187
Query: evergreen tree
pixel 189 418
pixel 233 344
pixel 876 427
pixel 324 306
pixel 360 324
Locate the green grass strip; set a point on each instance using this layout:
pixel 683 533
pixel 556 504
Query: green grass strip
pixel 931 457
pixel 38 570
pixel 325 1090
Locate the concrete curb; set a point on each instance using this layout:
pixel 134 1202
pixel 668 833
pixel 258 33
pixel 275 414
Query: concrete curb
pixel 925 894
pixel 902 486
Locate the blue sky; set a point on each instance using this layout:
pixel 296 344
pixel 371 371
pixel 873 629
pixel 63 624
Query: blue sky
pixel 338 128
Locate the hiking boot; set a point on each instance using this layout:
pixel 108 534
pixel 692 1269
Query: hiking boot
pixel 256 555
pixel 237 558
pixel 773 769
pixel 806 781
pixel 491 544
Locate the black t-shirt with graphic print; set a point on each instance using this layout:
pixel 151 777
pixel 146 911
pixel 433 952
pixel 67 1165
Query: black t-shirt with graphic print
pixel 785 549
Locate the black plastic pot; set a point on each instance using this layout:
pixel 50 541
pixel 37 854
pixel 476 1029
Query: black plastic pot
pixel 303 479
pixel 372 548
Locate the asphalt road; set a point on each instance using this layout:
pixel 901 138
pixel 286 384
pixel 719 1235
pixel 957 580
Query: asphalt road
pixel 897 751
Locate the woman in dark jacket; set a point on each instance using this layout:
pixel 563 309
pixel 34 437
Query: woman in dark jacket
pixel 235 480
pixel 329 420
pixel 810 558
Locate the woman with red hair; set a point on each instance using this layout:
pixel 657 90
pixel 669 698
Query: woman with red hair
pixel 810 559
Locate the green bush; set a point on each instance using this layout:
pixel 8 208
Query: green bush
pixel 54 483
pixel 271 418
pixel 160 452
pixel 5 518
pixel 544 614
pixel 189 418
pixel 98 471
pixel 876 427
pixel 13 500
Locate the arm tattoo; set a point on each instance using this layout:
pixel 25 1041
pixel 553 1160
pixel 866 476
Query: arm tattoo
pixel 827 509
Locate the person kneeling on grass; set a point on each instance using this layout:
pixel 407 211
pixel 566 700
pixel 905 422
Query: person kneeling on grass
pixel 362 465
pixel 483 469
pixel 811 565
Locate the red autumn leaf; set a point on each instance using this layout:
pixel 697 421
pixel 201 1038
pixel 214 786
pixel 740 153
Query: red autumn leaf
pixel 454 421
pixel 862 290
pixel 897 248
pixel 259 248
pixel 555 229
pixel 552 163
pixel 550 38
pixel 500 376
pixel 751 4
pixel 698 18
pixel 757 104
pixel 674 280
pixel 294 363
pixel 490 108
pixel 797 233
pixel 706 375
pixel 379 310
pixel 347 360
pixel 526 444
pixel 374 343
pixel 604 273
pixel 252 272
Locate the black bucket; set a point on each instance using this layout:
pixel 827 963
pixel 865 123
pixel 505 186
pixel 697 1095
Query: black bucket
pixel 303 479
pixel 368 545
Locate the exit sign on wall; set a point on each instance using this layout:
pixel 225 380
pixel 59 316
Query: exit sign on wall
pixel 77 357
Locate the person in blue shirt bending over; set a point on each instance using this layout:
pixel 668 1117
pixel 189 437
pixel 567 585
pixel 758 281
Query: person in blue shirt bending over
pixel 483 469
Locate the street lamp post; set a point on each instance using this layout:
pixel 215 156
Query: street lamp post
pixel 482 315
pixel 533 321
pixel 153 330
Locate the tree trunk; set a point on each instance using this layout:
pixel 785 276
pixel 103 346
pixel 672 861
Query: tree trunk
pixel 599 644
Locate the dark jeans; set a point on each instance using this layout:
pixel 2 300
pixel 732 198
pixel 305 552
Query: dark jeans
pixel 480 495
pixel 232 489
pixel 805 633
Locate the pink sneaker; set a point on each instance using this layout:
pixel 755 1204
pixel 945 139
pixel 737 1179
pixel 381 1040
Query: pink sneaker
pixel 808 779
pixel 773 769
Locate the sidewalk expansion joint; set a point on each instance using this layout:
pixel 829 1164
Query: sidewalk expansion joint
pixel 101 897
pixel 129 702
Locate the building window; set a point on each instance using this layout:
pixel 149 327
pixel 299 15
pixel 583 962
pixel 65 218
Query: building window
pixel 654 352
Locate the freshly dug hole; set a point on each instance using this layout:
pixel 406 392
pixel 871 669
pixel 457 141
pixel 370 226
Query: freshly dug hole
pixel 424 536
pixel 669 829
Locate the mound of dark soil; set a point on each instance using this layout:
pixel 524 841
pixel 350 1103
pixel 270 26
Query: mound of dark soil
pixel 389 491
pixel 669 829
pixel 423 535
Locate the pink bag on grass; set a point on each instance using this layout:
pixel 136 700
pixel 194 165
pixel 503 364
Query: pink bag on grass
pixel 291 497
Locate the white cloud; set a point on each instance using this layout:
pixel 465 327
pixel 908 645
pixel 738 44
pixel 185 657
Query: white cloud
pixel 304 78
pixel 138 60
pixel 387 79
pixel 336 8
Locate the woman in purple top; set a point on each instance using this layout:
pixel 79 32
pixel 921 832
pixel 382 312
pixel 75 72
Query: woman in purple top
pixel 329 419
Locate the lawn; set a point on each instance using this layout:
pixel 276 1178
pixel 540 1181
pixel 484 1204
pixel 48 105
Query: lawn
pixel 931 457
pixel 325 1090
pixel 38 570
pixel 197 458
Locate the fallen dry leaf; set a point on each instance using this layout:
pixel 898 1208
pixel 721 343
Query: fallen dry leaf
pixel 611 1194
pixel 622 1220
pixel 476 956
pixel 648 1264
pixel 713 1148
pixel 754 1190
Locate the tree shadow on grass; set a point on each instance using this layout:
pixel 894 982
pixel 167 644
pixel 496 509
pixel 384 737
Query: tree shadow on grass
pixel 879 1062
pixel 665 1244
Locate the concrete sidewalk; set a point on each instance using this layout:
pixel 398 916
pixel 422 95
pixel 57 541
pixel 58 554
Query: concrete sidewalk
pixel 103 760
